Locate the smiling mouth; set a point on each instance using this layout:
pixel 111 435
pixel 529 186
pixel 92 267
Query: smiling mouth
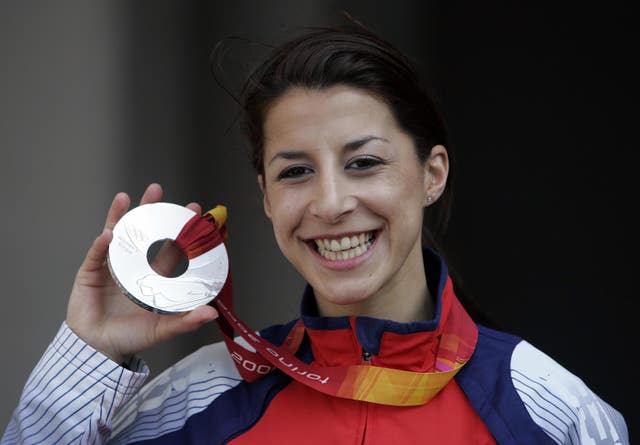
pixel 346 247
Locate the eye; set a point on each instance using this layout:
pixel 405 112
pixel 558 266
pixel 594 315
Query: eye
pixel 364 162
pixel 294 172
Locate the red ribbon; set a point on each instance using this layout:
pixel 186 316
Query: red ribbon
pixel 199 235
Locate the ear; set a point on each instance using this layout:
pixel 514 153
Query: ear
pixel 265 199
pixel 436 171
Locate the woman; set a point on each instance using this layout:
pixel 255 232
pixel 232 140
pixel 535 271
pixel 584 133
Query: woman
pixel 352 158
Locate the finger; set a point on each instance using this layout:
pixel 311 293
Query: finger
pixel 195 207
pixel 170 326
pixel 153 193
pixel 119 207
pixel 97 254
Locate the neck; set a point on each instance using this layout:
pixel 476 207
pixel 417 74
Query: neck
pixel 417 309
pixel 405 299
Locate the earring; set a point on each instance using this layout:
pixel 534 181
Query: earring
pixel 429 199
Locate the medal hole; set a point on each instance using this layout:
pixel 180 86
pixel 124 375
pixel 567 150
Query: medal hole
pixel 167 259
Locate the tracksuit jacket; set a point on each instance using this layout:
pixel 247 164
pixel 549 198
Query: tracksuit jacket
pixel 509 392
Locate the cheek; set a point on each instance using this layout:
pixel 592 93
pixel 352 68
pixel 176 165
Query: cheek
pixel 284 214
pixel 403 191
pixel 398 200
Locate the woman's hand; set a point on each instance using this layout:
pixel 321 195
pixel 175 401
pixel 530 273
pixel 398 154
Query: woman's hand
pixel 106 319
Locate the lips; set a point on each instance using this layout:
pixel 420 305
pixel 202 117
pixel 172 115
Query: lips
pixel 346 247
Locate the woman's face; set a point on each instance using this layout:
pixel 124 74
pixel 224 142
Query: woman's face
pixel 345 191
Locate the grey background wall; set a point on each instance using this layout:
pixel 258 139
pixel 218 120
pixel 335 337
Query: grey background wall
pixel 105 96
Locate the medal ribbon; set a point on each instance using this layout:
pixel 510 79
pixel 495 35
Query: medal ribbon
pixel 370 383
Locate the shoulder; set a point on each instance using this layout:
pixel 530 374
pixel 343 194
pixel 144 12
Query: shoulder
pixel 169 400
pixel 188 397
pixel 522 392
pixel 560 402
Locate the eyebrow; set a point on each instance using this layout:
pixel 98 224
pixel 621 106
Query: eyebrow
pixel 349 146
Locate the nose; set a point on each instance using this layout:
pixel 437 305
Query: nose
pixel 332 198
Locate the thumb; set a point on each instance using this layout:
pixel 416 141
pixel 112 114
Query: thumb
pixel 97 254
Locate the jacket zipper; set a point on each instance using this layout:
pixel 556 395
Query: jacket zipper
pixel 366 359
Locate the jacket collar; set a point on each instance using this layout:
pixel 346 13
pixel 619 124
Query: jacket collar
pixel 347 340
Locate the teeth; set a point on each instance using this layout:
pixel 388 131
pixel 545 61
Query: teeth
pixel 346 248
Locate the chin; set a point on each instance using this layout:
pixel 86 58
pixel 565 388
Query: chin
pixel 342 298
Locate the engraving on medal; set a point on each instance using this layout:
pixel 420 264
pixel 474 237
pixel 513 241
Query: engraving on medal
pixel 163 291
pixel 137 236
pixel 126 245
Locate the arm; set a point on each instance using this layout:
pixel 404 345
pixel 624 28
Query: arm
pixel 165 404
pixel 72 394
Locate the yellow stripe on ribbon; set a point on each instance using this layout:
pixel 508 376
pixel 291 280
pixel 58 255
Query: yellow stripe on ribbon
pixel 393 386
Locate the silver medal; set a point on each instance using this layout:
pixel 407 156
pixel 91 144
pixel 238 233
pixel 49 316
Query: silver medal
pixel 136 231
